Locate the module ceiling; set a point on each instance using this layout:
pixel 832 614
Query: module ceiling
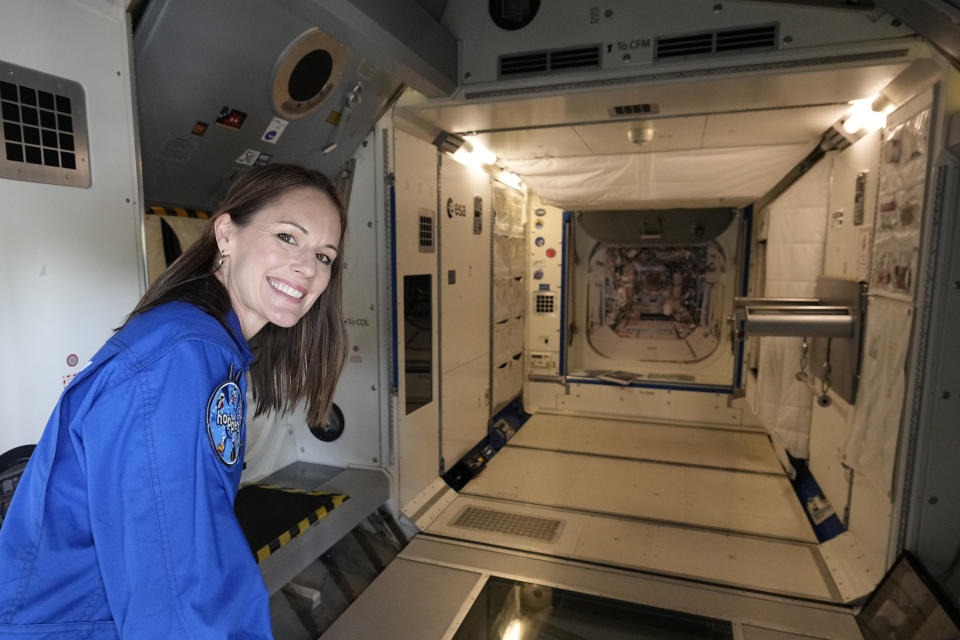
pixel 772 108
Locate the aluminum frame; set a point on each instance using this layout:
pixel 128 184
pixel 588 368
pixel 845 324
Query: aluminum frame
pixel 77 113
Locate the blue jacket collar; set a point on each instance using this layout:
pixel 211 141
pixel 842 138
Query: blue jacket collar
pixel 236 331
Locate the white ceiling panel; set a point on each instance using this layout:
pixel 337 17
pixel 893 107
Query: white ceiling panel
pixel 671 134
pixel 690 96
pixel 751 128
pixel 529 143
pixel 780 126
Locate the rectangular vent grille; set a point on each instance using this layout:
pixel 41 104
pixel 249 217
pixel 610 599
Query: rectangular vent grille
pixel 759 38
pixel 539 62
pixel 43 137
pixel 627 110
pixel 425 231
pixel 543 303
pixel 509 523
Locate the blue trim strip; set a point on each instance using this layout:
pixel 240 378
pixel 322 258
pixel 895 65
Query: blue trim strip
pixel 706 388
pixel 744 287
pixel 748 240
pixel 563 294
pixel 393 287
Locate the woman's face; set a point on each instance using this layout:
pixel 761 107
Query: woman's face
pixel 279 264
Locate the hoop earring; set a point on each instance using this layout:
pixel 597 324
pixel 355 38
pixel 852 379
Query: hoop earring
pixel 220 261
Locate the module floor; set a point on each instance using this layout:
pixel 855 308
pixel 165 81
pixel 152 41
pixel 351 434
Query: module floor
pixel 696 502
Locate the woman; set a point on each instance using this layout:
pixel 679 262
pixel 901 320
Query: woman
pixel 123 525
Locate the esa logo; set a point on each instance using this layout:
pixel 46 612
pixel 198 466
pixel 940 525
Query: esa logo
pixel 454 208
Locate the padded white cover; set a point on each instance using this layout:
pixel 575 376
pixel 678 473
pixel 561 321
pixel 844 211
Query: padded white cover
pixel 795 245
pixel 691 178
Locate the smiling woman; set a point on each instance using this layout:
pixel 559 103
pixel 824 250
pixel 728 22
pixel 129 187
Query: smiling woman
pixel 281 262
pixel 257 244
pixel 123 521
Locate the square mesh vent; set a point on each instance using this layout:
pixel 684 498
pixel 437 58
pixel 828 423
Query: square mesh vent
pixel 44 133
pixel 425 231
pixel 628 110
pixel 513 524
pixel 543 303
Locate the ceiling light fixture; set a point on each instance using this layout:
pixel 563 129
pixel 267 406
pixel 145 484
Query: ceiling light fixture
pixel 448 142
pixel 865 116
pixel 640 135
pixel 870 114
pixel 472 154
pixel 510 179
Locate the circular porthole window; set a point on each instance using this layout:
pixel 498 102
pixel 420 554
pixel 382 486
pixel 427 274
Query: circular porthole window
pixel 310 75
pixel 307 73
pixel 332 428
pixel 512 15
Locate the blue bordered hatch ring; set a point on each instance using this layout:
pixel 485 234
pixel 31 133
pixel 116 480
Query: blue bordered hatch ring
pixel 332 428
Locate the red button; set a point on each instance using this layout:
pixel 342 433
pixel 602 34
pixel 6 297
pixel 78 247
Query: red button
pixel 551 253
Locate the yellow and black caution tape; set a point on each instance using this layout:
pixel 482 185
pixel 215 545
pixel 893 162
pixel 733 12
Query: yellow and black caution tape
pixel 264 509
pixel 277 487
pixel 179 212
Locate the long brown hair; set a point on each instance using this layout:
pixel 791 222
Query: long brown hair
pixel 299 363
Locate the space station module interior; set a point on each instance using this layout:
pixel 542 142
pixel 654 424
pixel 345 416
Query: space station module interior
pixel 669 283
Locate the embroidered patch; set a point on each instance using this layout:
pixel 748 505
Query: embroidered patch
pixel 225 421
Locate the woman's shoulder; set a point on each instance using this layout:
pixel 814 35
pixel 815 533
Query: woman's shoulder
pixel 174 318
pixel 166 326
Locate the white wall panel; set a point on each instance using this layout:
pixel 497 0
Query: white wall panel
pixel 465 407
pixel 542 340
pixel 847 253
pixel 464 257
pixel 464 285
pixel 933 514
pixel 540 396
pixel 846 256
pixel 70 258
pixel 829 427
pixel 658 405
pixel 870 513
pixel 358 391
pixel 509 293
pixel 416 192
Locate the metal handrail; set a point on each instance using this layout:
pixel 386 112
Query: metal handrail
pixel 741 301
pixel 798 321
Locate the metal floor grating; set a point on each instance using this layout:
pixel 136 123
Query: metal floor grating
pixel 509 523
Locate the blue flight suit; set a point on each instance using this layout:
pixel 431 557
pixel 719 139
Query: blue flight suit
pixel 123 523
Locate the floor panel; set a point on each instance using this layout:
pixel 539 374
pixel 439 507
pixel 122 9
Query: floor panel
pixel 758 612
pixel 770 566
pixel 384 609
pixel 718 448
pixel 726 500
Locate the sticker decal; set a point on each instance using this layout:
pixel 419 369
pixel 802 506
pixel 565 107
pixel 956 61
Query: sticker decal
pixel 274 130
pixel 231 118
pixel 248 157
pixel 200 128
pixel 225 420
pixel 262 159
